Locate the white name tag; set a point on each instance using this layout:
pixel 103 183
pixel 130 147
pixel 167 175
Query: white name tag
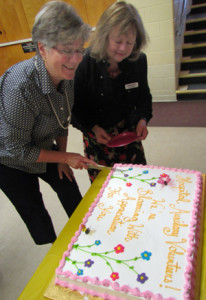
pixel 132 85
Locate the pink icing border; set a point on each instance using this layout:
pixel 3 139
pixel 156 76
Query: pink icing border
pixel 194 236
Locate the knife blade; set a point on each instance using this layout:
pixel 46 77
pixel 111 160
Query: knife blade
pixel 101 167
pixel 98 167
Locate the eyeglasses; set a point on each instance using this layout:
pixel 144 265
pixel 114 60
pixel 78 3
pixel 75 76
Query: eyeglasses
pixel 70 52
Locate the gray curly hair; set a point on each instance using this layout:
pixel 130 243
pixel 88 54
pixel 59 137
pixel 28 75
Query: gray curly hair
pixel 58 22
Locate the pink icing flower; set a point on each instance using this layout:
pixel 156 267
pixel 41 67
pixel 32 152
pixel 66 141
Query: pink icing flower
pixel 128 184
pixel 164 179
pixel 119 248
pixel 163 175
pixel 114 276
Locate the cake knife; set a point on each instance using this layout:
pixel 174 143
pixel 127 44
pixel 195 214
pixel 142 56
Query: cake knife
pixel 101 167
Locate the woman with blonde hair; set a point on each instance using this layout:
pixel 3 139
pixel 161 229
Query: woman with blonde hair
pixel 112 95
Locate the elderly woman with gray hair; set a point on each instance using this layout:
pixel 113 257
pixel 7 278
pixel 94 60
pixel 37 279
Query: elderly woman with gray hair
pixel 36 99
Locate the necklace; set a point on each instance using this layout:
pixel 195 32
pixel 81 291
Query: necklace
pixel 68 106
pixel 69 111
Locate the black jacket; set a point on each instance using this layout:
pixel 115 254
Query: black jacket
pixel 100 100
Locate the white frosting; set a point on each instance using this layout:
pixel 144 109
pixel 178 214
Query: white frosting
pixel 143 228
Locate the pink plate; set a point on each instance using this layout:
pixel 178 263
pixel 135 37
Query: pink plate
pixel 123 139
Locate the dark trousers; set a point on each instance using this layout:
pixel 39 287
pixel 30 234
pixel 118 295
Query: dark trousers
pixel 23 191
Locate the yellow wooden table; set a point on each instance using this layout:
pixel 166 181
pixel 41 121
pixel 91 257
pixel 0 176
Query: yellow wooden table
pixel 44 274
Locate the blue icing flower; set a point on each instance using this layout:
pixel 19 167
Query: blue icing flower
pixel 145 172
pixel 146 255
pixel 97 242
pixel 80 272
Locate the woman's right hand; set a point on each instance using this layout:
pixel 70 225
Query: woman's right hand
pixel 77 161
pixel 101 135
pixel 73 160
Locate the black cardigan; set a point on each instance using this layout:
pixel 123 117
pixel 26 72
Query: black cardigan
pixel 100 100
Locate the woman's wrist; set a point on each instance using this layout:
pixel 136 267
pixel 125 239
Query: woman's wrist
pixel 95 127
pixel 52 156
pixel 144 119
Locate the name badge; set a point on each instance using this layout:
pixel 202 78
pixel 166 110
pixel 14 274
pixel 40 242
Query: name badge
pixel 132 85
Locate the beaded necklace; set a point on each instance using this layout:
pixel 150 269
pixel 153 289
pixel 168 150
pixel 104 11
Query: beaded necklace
pixel 68 106
pixel 69 111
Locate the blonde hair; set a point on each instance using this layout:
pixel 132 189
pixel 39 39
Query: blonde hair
pixel 125 16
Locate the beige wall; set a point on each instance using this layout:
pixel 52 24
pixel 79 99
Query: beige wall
pixel 160 18
pixel 157 16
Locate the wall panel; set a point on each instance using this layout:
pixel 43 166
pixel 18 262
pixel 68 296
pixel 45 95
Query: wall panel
pixel 11 55
pixel 3 38
pixel 31 8
pixel 95 9
pixel 13 19
pixel 80 7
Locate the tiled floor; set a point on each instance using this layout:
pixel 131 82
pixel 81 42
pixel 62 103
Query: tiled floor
pixel 19 257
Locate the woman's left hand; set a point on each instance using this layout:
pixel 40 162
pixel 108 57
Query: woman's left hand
pixel 142 130
pixel 64 169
